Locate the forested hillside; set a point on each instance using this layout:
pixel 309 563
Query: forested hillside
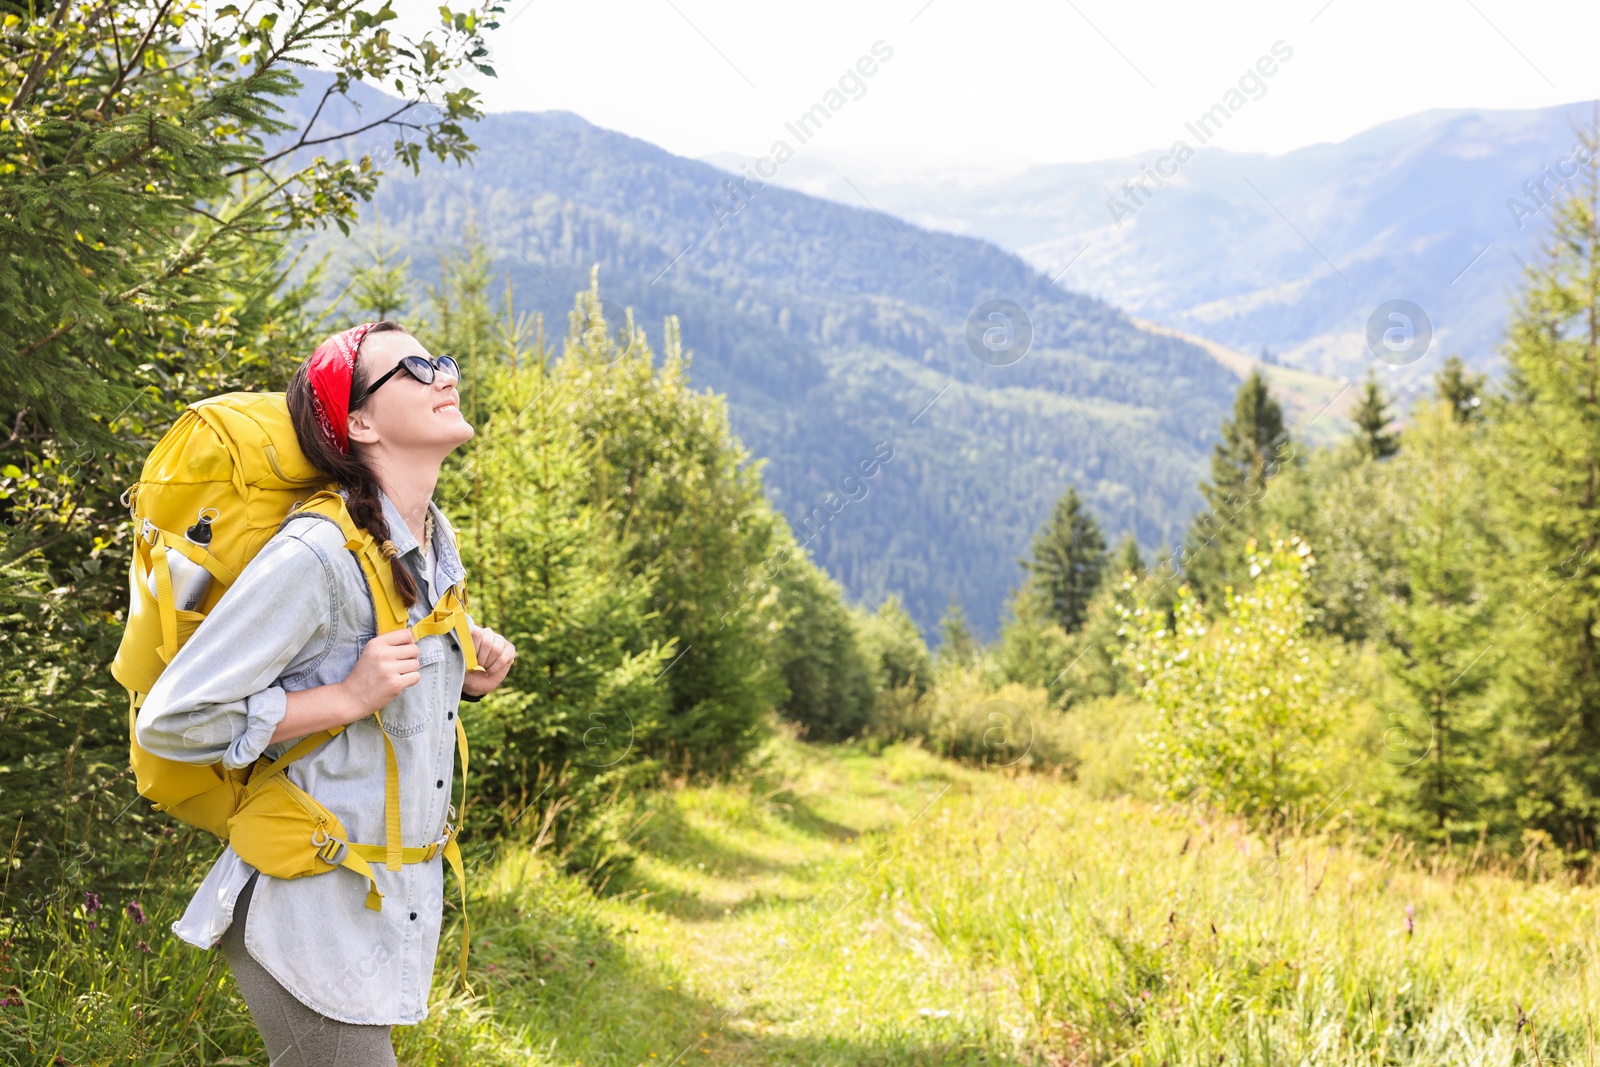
pixel 839 334
pixel 1291 253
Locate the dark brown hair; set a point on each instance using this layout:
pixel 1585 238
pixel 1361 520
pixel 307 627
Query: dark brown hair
pixel 360 486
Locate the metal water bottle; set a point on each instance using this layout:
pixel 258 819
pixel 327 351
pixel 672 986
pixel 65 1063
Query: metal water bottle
pixel 189 580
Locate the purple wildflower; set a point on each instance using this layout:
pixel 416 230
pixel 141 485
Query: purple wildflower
pixel 91 902
pixel 1410 920
pixel 144 946
pixel 136 911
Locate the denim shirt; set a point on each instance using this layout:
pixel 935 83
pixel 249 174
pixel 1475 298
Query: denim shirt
pixel 298 617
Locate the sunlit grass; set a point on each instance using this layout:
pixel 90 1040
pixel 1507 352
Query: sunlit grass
pixel 843 908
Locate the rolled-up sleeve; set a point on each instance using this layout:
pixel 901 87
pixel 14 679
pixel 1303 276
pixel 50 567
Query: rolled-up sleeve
pixel 220 699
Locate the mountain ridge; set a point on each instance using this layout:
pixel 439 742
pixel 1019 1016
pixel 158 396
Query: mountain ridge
pixel 1291 252
pixel 832 329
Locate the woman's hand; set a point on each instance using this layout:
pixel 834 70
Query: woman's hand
pixel 389 664
pixel 495 655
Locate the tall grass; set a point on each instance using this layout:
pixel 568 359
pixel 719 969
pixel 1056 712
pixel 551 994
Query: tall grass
pixel 838 907
pixel 1149 937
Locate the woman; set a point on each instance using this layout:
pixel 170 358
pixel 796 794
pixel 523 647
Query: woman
pixel 290 650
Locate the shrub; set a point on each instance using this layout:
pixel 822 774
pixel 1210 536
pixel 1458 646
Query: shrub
pixel 1245 704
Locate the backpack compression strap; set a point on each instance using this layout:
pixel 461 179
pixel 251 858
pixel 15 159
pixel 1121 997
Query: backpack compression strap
pixel 158 544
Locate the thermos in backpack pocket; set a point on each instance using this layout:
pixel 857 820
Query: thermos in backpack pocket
pixel 190 580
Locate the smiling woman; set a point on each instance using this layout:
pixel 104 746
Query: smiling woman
pixel 292 651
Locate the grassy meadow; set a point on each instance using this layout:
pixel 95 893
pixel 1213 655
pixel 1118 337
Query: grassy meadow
pixel 848 907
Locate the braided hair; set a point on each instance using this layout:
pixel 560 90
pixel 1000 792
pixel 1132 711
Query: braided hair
pixel 357 480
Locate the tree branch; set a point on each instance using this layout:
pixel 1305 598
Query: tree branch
pixel 44 63
pixel 303 143
pixel 136 57
pixel 47 338
pixel 16 430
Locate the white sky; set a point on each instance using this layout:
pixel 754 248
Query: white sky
pixel 1002 83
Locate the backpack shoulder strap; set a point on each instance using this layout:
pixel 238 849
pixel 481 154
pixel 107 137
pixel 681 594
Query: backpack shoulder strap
pixel 389 608
pixel 448 616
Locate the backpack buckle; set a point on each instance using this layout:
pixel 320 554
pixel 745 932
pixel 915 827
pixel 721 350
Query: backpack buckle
pixel 330 849
pixel 435 847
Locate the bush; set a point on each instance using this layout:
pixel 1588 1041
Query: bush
pixel 1102 736
pixel 966 717
pixel 1245 704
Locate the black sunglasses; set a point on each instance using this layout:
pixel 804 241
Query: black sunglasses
pixel 419 367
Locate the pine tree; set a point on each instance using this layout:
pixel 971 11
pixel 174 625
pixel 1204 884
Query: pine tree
pixel 464 323
pixel 830 681
pixel 893 647
pixel 678 485
pixel 957 645
pixel 1069 560
pixel 550 572
pixel 1255 445
pixel 1129 559
pixel 1543 482
pixel 1032 648
pixel 1371 417
pixel 381 286
pixel 1460 388
pixel 1439 638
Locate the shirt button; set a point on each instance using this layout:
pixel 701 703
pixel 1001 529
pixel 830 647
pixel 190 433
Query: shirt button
pixel 439 784
pixel 449 714
pixel 413 916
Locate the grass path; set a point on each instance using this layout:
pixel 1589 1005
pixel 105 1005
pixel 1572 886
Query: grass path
pixel 847 909
pixel 747 934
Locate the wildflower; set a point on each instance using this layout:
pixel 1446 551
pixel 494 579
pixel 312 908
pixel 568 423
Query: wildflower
pixel 144 946
pixel 1410 920
pixel 91 902
pixel 135 911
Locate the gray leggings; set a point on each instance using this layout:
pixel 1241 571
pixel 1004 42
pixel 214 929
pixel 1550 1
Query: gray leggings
pixel 295 1035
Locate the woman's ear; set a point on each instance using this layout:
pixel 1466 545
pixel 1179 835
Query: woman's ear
pixel 361 429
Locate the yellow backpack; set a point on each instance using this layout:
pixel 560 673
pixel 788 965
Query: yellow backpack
pixel 234 460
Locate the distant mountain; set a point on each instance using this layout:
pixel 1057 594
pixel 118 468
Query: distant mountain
pixel 1289 253
pixel 836 333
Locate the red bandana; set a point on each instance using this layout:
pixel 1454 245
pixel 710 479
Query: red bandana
pixel 330 369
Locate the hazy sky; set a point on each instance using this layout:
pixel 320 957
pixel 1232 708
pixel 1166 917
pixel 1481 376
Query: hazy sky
pixel 1001 83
